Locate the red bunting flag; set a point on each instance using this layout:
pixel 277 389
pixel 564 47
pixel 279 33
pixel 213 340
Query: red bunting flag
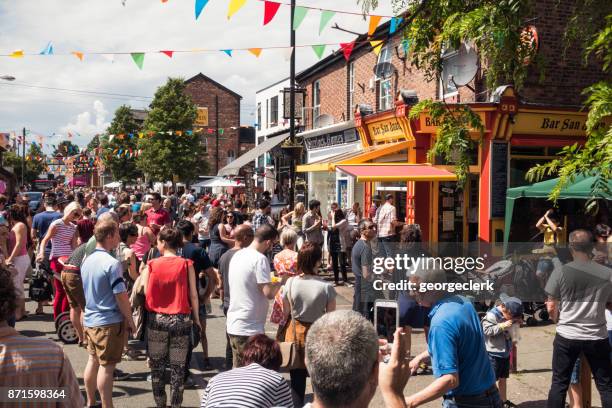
pixel 270 9
pixel 168 53
pixel 347 49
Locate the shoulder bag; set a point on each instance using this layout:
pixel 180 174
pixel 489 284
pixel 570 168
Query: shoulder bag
pixel 289 350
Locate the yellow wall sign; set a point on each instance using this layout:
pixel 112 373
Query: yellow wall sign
pixel 202 119
pixel 386 130
pixel 429 125
pixel 551 124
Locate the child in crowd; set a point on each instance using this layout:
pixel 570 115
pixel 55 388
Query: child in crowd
pixel 498 330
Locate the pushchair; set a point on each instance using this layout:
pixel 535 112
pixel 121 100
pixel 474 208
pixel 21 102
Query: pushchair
pixel 63 325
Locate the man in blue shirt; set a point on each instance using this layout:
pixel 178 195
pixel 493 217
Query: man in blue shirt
pixel 464 376
pixel 108 316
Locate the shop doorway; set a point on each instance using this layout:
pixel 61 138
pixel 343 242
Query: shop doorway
pixel 451 200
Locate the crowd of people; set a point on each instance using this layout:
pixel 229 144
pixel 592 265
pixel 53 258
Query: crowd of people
pixel 139 268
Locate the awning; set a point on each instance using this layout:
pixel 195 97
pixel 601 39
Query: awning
pixel 234 167
pixel 218 182
pixel 358 157
pixel 397 172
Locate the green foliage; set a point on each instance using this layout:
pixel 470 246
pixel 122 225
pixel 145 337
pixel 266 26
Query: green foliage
pixel 165 156
pixel 453 141
pixel 123 167
pixel 94 142
pixel 66 148
pixel 33 167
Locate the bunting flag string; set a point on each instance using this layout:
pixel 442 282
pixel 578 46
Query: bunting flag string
pixel 270 10
pixel 354 13
pixel 299 13
pixel 326 16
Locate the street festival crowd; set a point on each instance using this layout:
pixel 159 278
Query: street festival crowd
pixel 135 268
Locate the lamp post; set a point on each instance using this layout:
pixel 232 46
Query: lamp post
pixel 292 109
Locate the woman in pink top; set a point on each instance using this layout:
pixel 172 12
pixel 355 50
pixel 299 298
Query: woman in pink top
pixel 146 239
pixel 63 236
pixel 18 254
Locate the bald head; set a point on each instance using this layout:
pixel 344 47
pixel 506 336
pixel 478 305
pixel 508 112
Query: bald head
pixel 243 234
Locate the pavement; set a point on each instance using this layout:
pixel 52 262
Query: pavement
pixel 527 388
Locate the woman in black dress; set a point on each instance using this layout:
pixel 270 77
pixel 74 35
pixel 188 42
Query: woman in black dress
pixel 219 237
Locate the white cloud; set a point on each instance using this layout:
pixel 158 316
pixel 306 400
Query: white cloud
pixel 88 123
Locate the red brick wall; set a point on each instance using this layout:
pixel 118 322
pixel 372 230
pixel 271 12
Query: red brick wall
pixel 203 93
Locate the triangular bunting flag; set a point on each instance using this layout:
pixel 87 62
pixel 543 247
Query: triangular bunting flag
pixel 326 15
pixel 270 9
pixel 255 51
pixel 168 53
pixel 138 58
pixel 374 20
pixel 298 16
pixel 234 6
pixel 48 50
pixel 78 54
pixel 347 49
pixel 319 50
pixel 17 54
pixel 287 53
pixel 228 52
pixel 395 22
pixel 221 132
pixel 199 6
pixel 376 46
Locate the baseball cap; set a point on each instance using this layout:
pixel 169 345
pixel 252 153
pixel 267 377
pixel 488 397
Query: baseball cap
pixel 513 304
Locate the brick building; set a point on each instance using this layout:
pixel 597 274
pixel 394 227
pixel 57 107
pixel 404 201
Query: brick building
pixel 218 108
pixel 355 118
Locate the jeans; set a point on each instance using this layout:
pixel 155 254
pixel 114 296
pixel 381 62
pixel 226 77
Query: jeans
pixel 339 265
pixel 298 383
pixel 385 246
pixel 488 399
pixel 565 353
pixel 204 243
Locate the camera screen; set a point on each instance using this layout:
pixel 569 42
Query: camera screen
pixel 386 322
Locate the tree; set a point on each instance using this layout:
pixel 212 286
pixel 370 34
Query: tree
pixel 119 152
pixel 34 165
pixel 94 142
pixel 167 155
pixel 66 148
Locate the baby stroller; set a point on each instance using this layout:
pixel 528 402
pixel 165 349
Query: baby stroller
pixel 63 325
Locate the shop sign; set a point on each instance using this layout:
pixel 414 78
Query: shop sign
pixel 386 129
pixel 551 124
pixel 430 125
pixel 202 118
pixel 331 139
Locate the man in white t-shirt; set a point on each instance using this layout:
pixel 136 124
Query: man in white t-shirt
pixel 251 289
pixel 200 220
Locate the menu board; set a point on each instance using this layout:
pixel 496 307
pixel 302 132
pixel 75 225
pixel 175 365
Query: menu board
pixel 499 178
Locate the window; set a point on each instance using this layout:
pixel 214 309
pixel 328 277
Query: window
pixel 205 144
pixel 385 90
pixel 267 115
pixel 450 66
pixel 259 116
pixel 351 89
pixel 231 156
pixel 316 101
pixel 274 111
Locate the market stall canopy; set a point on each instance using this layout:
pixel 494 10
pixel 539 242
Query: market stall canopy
pixel 578 189
pixel 356 157
pixel 397 172
pixel 114 184
pixel 218 182
pixel 234 167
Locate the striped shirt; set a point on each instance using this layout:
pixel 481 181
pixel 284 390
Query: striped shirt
pixel 61 242
pixel 30 362
pixel 249 387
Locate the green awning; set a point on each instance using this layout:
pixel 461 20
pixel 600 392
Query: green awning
pixel 580 189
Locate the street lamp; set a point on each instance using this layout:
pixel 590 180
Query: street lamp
pixel 7 77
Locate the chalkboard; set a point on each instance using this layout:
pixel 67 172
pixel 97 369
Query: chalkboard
pixel 499 178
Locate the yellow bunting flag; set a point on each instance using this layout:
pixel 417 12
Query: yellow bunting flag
pixel 17 54
pixel 255 51
pixel 234 6
pixel 376 46
pixel 374 20
pixel 78 54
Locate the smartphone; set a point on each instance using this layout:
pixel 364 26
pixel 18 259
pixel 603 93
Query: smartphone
pixel 386 318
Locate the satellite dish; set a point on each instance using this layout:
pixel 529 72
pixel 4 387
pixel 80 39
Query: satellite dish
pixel 323 120
pixel 463 66
pixel 384 70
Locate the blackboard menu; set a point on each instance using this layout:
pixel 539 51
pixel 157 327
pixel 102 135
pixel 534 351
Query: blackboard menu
pixel 499 178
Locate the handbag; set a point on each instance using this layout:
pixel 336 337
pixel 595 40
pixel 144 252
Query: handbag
pixel 289 350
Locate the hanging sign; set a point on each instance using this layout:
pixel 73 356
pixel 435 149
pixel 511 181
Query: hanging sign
pixel 202 119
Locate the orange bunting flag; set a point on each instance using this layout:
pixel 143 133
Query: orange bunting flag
pixel 78 54
pixel 255 51
pixel 374 20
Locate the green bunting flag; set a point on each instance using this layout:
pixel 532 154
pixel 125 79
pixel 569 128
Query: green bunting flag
pixel 138 58
pixel 298 16
pixel 319 50
pixel 326 15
